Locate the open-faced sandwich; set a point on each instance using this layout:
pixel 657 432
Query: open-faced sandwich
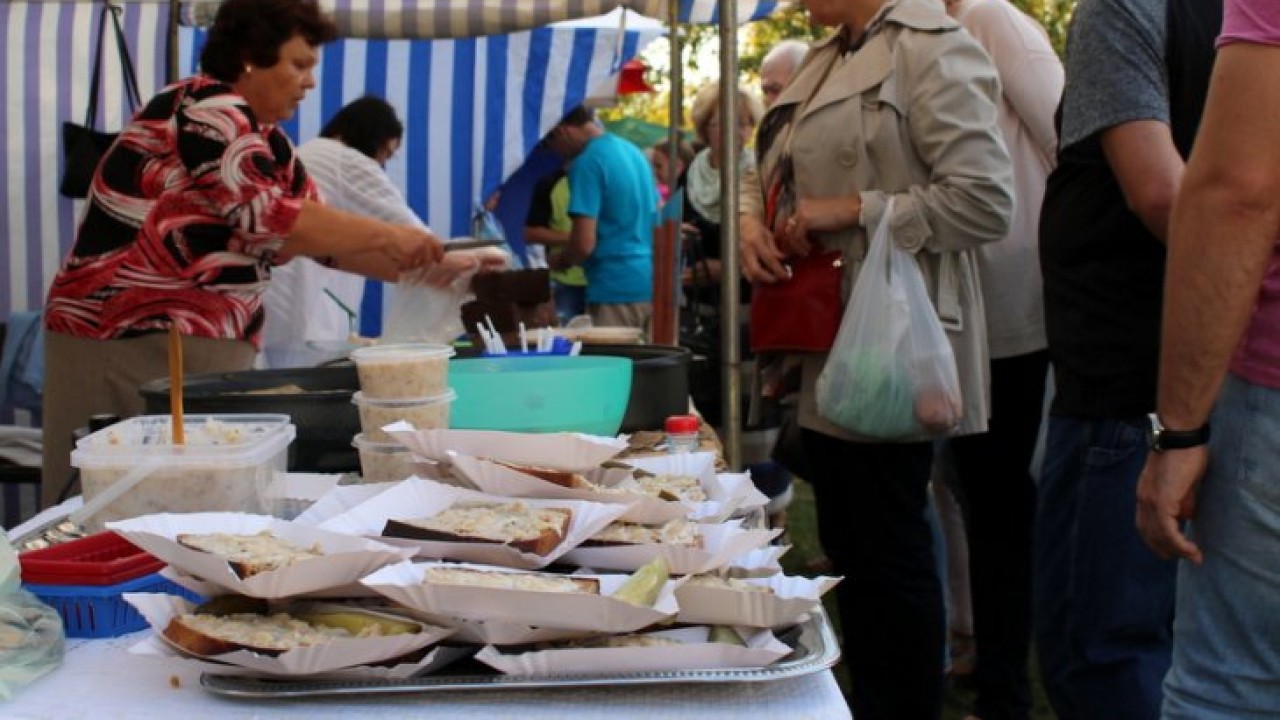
pixel 672 487
pixel 217 628
pixel 675 532
pixel 563 478
pixel 251 554
pixel 529 529
pixel 533 582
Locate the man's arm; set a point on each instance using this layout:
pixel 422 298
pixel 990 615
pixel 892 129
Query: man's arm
pixel 545 236
pixel 582 241
pixel 1148 167
pixel 1224 232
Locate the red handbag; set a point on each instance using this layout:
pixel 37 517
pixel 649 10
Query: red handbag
pixel 801 313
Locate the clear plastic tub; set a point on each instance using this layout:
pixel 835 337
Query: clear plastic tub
pixel 403 372
pixel 431 413
pixel 228 462
pixel 383 462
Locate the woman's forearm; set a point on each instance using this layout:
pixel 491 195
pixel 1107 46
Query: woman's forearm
pixel 322 231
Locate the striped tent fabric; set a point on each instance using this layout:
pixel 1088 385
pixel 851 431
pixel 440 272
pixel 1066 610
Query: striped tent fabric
pixel 473 108
pixel 472 18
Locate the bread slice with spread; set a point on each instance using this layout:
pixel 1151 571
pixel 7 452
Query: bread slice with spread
pixel 535 530
pixel 250 554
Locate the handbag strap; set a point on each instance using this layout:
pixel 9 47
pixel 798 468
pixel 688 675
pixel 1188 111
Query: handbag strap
pixel 126 64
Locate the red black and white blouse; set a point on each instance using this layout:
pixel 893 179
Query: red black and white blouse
pixel 185 218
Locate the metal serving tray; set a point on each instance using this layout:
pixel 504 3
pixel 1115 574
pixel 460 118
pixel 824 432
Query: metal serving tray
pixel 814 644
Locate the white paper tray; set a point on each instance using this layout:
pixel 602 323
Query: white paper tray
pixel 814 642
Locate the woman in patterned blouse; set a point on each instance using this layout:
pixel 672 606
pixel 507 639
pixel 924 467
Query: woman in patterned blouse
pixel 189 210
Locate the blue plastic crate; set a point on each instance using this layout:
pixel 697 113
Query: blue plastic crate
pixel 99 611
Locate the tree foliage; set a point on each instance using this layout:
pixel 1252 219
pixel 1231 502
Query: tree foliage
pixel 701 44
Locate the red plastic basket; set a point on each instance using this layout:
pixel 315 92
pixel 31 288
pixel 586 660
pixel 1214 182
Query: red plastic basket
pixel 101 559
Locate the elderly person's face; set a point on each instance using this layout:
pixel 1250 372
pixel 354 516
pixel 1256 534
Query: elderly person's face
pixel 774 76
pixel 711 134
pixel 274 92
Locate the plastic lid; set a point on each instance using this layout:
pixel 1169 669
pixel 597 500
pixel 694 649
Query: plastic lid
pixel 358 398
pixel 402 351
pixel 390 448
pixel 682 424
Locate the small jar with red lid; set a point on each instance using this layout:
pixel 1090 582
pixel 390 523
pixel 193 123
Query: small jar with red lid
pixel 682 433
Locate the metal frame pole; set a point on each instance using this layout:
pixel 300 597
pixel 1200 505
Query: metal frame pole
pixel 731 365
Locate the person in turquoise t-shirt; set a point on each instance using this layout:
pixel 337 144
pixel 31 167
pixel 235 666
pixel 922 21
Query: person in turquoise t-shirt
pixel 612 202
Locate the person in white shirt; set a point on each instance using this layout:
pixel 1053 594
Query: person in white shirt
pixel 310 306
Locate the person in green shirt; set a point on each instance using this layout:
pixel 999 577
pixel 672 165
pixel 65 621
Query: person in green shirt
pixel 548 225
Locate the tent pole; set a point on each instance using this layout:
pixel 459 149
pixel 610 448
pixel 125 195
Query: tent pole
pixel 666 237
pixel 171 49
pixel 731 367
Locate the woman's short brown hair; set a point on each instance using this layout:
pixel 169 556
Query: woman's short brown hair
pixel 252 31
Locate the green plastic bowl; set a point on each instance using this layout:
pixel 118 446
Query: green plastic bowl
pixel 558 393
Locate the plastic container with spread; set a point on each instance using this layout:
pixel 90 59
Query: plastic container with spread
pixel 429 413
pixel 383 462
pixel 404 371
pixel 228 463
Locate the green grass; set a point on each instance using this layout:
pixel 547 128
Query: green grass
pixel 802 530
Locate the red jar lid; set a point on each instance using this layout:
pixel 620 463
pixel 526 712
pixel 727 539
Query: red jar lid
pixel 682 424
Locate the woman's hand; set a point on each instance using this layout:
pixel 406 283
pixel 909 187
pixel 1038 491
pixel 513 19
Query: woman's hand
pixel 412 247
pixel 761 258
pixel 817 215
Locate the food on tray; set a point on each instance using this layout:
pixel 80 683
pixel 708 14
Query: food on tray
pixel 208 634
pixel 249 555
pixel 563 478
pixel 726 583
pixel 672 487
pixel 528 529
pixel 676 532
pixel 632 640
pixel 725 634
pixel 533 582
pixel 644 585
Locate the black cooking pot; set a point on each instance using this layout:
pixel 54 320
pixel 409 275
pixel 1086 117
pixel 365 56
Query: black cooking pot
pixel 659 382
pixel 317 399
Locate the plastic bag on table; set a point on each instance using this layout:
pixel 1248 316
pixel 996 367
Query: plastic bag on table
pixel 891 373
pixel 426 305
pixel 31 635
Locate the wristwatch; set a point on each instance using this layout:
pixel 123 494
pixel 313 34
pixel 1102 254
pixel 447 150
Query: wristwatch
pixel 1161 438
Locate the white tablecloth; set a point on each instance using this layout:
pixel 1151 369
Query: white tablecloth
pixel 100 679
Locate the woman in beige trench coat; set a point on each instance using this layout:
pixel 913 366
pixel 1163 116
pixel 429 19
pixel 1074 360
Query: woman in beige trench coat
pixel 899 102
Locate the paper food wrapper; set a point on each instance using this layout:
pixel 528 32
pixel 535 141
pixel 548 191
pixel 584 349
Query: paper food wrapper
pixel 158 609
pixel 786 600
pixel 742 497
pixel 209 590
pixel 561 451
pixel 435 659
pixel 726 492
pixel 499 479
pixel 495 632
pixel 339 500
pixel 721 545
pixel 417 498
pixel 346 558
pixel 693 653
pixel 406 584
pixel 761 562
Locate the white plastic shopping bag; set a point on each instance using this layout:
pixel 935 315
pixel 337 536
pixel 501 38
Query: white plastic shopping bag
pixel 891 373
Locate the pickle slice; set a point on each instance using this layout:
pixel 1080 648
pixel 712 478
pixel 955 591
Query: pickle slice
pixel 361 624
pixel 643 586
pixel 725 634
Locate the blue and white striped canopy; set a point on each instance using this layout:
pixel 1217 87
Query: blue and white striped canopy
pixel 473 107
pixel 421 19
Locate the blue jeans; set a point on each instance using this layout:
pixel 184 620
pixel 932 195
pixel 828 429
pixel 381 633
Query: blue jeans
pixel 1103 602
pixel 1226 655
